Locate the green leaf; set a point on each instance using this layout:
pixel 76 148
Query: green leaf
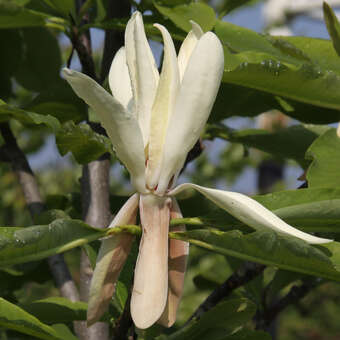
pixel 221 320
pixel 302 69
pixel 270 248
pixel 57 310
pixel 9 112
pixel 230 5
pixel 63 332
pixel 65 7
pixel 181 15
pixel 324 153
pixel 14 15
pixel 84 144
pixel 15 318
pixel 291 142
pixel 246 334
pixel 40 68
pixel 333 26
pixel 60 101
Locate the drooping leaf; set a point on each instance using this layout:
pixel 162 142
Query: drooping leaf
pixel 57 310
pixel 40 67
pixel 181 15
pixel 333 26
pixel 270 248
pixel 15 318
pixel 324 153
pixel 291 142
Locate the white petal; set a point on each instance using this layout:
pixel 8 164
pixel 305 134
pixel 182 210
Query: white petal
pixel 188 46
pixel 143 71
pixel 121 127
pixel 178 256
pixel 150 287
pixel 193 105
pixel 162 109
pixel 119 79
pixel 249 211
pixel 112 255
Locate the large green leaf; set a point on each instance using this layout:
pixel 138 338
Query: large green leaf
pixel 9 112
pixel 181 14
pixel 57 310
pixel 303 69
pixel 15 318
pixel 325 167
pixel 270 248
pixel 218 322
pixel 291 142
pixel 40 67
pixel 85 144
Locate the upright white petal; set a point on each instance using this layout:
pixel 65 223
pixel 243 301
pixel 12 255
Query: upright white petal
pixel 119 80
pixel 143 71
pixel 110 261
pixel 188 46
pixel 249 211
pixel 150 287
pixel 196 97
pixel 162 108
pixel 121 127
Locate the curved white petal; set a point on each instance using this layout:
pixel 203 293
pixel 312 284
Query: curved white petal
pixel 150 287
pixel 112 255
pixel 121 127
pixel 178 256
pixel 143 71
pixel 249 211
pixel 119 79
pixel 162 108
pixel 193 105
pixel 188 46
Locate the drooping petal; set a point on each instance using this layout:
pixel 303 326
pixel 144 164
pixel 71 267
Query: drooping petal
pixel 143 71
pixel 150 288
pixel 122 128
pixel 119 80
pixel 162 108
pixel 188 46
pixel 178 256
pixel 193 105
pixel 249 211
pixel 111 258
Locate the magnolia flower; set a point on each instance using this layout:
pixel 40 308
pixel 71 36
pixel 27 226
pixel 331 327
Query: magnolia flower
pixel 153 120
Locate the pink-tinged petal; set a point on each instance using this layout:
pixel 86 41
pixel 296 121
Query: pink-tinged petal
pixel 178 256
pixel 162 109
pixel 188 46
pixel 196 97
pixel 150 288
pixel 111 258
pixel 122 128
pixel 143 71
pixel 249 211
pixel 119 80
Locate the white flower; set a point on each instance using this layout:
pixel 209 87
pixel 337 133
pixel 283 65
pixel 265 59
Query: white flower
pixel 153 120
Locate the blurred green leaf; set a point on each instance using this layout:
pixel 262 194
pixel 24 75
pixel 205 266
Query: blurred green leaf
pixel 324 153
pixel 246 334
pixel 218 322
pixel 85 144
pixel 40 67
pixel 181 15
pixel 291 142
pixel 302 69
pixel 15 318
pixel 333 26
pixel 57 310
pixel 64 332
pixel 13 14
pixel 230 5
pixel 65 7
pixel 271 248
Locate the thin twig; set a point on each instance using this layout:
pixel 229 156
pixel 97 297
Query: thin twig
pixel 239 278
pixel 29 185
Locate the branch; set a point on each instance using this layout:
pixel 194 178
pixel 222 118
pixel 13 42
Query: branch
pixel 29 185
pixel 243 275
